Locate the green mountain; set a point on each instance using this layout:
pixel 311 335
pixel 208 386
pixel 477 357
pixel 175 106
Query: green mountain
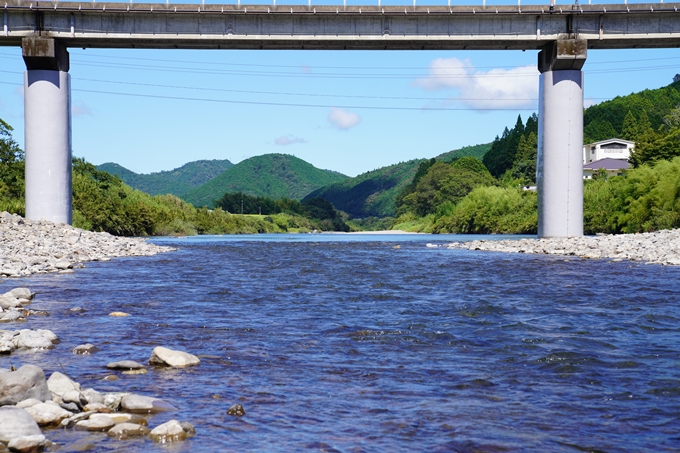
pixel 373 194
pixel 370 194
pixel 175 182
pixel 477 151
pixel 272 175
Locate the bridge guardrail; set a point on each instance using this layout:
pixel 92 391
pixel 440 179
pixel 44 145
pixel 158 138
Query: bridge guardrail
pixel 346 3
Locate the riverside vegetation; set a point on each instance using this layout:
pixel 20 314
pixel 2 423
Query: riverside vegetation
pixel 491 198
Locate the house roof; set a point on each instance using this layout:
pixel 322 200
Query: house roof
pixel 611 140
pixel 608 164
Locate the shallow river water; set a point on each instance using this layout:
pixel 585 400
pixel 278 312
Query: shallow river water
pixel 358 343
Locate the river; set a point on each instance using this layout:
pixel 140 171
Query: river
pixel 369 343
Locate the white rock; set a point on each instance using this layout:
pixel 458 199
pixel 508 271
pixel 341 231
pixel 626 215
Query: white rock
pixel 144 404
pixel 48 413
pixel 167 357
pixel 127 430
pixel 96 422
pixel 27 444
pixel 59 384
pixel 31 339
pixel 26 382
pixel 16 422
pixel 168 432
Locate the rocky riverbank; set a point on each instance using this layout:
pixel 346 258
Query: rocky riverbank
pixel 659 247
pixel 32 247
pixel 30 403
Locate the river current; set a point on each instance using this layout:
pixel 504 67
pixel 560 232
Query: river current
pixel 361 343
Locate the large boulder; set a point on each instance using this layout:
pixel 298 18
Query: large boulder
pixel 59 383
pixel 21 293
pixel 32 339
pixel 16 422
pixel 48 414
pixel 167 357
pixel 22 384
pixel 27 444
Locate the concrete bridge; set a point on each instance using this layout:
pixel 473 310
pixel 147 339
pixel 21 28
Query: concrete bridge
pixel 561 33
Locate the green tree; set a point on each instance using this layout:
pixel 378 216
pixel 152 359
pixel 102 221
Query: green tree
pixel 12 165
pixel 630 127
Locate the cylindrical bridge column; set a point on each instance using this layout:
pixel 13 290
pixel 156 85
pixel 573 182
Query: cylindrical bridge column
pixel 559 174
pixel 47 126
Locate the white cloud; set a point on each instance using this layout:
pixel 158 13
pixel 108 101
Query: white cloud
pixel 342 119
pixel 286 140
pixel 79 108
pixel 497 88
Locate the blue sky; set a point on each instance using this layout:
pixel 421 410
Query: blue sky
pixel 349 111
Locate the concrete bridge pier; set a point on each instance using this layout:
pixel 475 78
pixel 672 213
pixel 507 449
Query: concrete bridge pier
pixel 47 126
pixel 559 174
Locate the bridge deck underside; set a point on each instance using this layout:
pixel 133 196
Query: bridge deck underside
pixel 117 25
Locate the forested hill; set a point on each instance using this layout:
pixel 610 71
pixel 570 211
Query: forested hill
pixel 175 182
pixel 271 175
pixel 373 194
pixel 370 194
pixel 606 120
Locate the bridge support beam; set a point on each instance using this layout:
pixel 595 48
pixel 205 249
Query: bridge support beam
pixel 47 126
pixel 559 173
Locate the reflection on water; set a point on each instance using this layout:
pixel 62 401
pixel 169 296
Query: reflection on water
pixel 346 343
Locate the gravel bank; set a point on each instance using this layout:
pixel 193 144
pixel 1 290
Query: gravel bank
pixel 659 247
pixel 31 247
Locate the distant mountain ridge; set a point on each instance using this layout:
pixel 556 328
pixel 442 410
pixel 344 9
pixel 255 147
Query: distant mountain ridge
pixel 374 193
pixel 175 182
pixel 271 175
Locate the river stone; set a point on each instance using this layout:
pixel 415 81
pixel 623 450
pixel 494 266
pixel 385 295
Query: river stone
pixel 49 413
pixel 27 444
pixel 96 407
pixel 31 339
pixel 9 302
pixel 113 399
pixel 69 422
pixel 125 365
pixel 22 384
pixel 144 404
pixel 16 422
pixel 22 293
pixel 96 422
pixel 119 314
pixel 236 410
pixel 27 403
pixel 124 417
pixel 85 349
pixel 48 334
pixel 6 346
pixel 74 396
pixel 127 430
pixel 93 396
pixel 59 384
pixel 167 357
pixel 188 428
pixel 133 372
pixel 168 432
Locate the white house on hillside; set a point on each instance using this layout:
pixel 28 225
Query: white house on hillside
pixel 611 155
pixel 614 148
